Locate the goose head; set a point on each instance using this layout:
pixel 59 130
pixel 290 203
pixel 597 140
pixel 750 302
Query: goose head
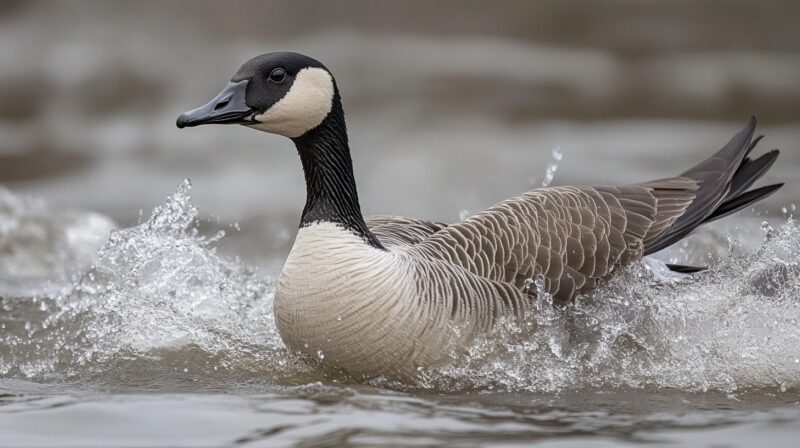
pixel 281 93
pixel 295 96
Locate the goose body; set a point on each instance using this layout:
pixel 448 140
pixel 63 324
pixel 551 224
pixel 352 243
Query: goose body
pixel 387 296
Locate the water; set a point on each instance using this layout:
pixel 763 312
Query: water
pixel 318 415
pixel 128 319
pixel 162 341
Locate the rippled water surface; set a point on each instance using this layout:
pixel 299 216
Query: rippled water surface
pixel 160 340
pixel 136 308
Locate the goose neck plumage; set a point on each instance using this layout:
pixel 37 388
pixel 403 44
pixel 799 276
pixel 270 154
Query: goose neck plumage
pixel 331 194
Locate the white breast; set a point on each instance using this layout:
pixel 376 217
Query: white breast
pixel 357 307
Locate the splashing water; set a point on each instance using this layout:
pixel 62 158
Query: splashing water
pixel 731 329
pixel 550 173
pixel 157 293
pixel 159 301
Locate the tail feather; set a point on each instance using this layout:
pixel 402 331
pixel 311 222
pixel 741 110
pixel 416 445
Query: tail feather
pixel 750 171
pixel 753 144
pixel 743 200
pixel 723 180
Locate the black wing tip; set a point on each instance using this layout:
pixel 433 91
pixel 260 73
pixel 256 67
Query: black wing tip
pixel 741 143
pixel 763 192
pixel 683 269
pixel 771 188
pixel 718 202
pixel 750 128
pixel 769 158
pixel 756 140
pixel 745 199
pixel 751 125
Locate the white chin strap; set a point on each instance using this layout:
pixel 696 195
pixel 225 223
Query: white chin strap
pixel 303 108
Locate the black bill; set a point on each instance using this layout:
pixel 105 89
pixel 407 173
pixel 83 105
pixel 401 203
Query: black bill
pixel 229 107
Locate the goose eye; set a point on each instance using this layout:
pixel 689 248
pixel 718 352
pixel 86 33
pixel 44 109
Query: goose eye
pixel 278 75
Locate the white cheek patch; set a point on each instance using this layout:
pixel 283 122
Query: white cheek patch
pixel 303 108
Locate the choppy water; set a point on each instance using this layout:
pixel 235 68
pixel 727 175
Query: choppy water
pixel 165 336
pixel 160 340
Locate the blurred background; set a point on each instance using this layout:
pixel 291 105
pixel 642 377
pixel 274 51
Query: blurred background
pixel 451 105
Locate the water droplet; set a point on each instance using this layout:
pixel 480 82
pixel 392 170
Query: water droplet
pixel 552 167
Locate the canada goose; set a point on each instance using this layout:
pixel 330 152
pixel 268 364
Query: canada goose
pixel 387 296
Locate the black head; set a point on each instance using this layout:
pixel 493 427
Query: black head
pixel 281 93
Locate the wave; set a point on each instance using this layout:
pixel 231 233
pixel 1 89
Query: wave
pixel 157 299
pixel 159 304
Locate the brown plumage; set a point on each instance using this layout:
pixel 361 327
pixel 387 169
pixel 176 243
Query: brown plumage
pixel 572 237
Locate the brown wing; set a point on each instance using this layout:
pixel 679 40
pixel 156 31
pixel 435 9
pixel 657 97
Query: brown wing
pixel 574 236
pixel 399 231
pixel 569 236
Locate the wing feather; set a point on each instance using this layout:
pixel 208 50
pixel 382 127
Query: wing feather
pixel 570 236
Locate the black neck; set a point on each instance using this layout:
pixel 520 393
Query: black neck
pixel 330 185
